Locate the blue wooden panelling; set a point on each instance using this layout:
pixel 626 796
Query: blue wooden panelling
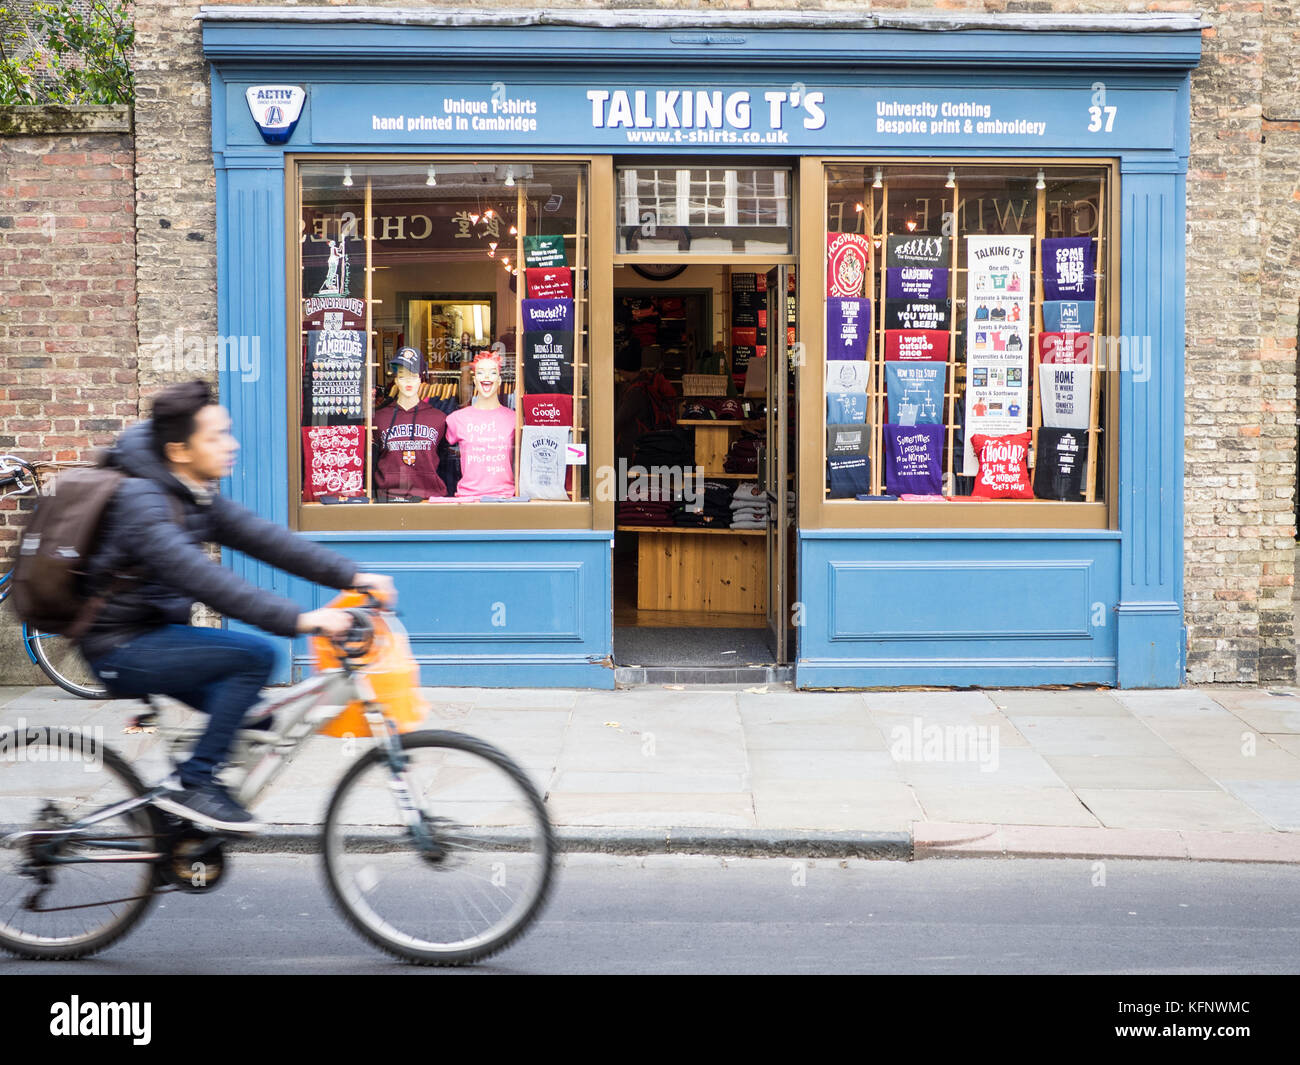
pixel 1150 610
pixel 963 608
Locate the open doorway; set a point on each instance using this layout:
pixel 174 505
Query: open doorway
pixel 704 441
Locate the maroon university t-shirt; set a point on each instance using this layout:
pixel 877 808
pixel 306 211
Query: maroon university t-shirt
pixel 408 443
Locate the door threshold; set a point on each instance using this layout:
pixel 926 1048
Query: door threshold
pixel 635 676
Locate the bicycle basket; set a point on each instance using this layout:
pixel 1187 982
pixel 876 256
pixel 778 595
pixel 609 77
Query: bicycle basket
pixel 390 668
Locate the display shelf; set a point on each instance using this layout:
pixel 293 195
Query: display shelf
pixel 720 422
pixel 689 529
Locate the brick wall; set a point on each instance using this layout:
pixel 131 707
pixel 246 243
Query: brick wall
pixel 68 380
pixel 1243 285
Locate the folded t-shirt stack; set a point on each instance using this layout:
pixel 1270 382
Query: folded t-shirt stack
pixel 645 512
pixel 711 508
pixel 742 457
pixel 748 507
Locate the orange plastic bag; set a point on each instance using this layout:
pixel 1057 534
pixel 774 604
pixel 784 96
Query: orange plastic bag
pixel 390 668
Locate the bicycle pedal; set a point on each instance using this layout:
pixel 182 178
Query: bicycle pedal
pixel 133 730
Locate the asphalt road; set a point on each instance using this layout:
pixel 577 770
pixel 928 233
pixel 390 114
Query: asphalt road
pixel 668 914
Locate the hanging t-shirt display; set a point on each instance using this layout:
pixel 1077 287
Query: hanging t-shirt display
pixel 1066 390
pixel 846 407
pixel 1060 463
pixel 546 409
pixel 544 250
pixel 847 375
pixel 847 440
pixel 548 346
pixel 542 453
pixel 334 377
pixel 916 314
pixel 848 325
pixel 917 251
pixel 332 461
pixel 549 282
pixel 916 283
pixel 487 444
pixel 406 443
pixel 913 455
pixel 997 331
pixel 848 264
pixel 919 345
pixel 1064 347
pixel 849 475
pixel 1003 470
pixel 1068 316
pixel 915 392
pixel 1068 271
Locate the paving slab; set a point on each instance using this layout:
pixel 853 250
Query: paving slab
pixel 930 704
pixel 1073 703
pixel 650 810
pixel 793 736
pixel 1092 735
pixel 769 765
pixel 877 806
pixel 1163 702
pixel 1191 810
pixel 1011 768
pixel 1010 805
pixel 635 782
pixel 1119 771
pixel 1276 802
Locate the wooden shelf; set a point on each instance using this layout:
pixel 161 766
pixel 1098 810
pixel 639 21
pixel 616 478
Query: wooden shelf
pixel 691 529
pixel 723 422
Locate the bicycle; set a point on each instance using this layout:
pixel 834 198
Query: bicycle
pixel 57 656
pixel 81 862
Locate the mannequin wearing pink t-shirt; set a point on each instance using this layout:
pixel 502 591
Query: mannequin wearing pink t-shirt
pixel 485 431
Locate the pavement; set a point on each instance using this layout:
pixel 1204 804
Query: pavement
pixel 1193 773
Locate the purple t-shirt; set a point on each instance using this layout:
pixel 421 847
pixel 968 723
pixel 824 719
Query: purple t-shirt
pixel 912 459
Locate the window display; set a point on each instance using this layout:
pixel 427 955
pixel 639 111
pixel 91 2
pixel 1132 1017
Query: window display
pixel 443 312
pixel 982 375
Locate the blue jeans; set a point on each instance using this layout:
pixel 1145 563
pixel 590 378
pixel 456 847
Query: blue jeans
pixel 218 672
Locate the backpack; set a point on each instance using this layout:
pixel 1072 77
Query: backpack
pixel 55 547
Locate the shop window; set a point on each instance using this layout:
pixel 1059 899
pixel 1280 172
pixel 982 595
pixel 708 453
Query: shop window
pixel 967 357
pixel 443 356
pixel 704 211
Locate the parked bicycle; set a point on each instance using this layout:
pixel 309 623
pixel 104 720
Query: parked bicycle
pixel 57 656
pixel 437 847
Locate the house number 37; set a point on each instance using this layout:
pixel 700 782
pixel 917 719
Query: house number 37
pixel 1095 118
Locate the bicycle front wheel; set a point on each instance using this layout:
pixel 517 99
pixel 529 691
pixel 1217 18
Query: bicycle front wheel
pixel 69 895
pixel 62 663
pixel 474 875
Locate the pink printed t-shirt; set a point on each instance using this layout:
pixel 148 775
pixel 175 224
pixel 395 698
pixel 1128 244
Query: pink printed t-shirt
pixel 487 443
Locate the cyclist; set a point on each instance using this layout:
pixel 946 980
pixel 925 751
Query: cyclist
pixel 140 641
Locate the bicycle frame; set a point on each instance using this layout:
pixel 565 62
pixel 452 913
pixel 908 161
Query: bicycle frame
pixel 262 754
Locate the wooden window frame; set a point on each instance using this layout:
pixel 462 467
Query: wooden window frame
pixel 817 512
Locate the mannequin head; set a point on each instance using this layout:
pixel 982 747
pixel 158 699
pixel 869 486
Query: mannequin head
pixel 487 379
pixel 408 371
pixel 408 387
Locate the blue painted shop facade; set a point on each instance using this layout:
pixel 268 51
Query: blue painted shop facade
pixel 947 603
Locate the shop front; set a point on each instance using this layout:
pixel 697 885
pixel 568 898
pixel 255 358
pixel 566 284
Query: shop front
pixel 857 340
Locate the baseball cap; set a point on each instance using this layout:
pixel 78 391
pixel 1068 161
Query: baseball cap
pixel 407 359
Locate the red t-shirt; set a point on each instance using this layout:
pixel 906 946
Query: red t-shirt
pixel 1004 470
pixel 408 443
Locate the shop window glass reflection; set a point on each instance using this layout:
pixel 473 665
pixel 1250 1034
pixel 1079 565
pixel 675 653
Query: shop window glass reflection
pixel 411 275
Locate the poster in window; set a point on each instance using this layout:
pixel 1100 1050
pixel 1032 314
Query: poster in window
pixel 997 339
pixel 334 377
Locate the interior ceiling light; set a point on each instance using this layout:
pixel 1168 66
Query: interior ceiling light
pixel 880 179
pixel 347 177
pixel 432 179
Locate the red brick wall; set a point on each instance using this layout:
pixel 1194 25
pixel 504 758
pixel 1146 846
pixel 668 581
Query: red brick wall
pixel 69 375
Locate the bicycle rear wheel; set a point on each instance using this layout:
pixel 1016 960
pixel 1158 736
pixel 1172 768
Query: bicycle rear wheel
pixel 51 904
pixel 61 661
pixel 479 882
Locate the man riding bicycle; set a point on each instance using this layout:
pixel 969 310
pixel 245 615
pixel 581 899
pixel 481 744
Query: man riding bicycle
pixel 140 641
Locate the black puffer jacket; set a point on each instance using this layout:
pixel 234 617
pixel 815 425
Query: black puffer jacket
pixel 140 533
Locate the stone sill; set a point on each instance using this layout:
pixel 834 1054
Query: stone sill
pixel 34 120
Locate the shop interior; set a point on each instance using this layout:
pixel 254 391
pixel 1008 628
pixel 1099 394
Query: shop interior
pixel 692 518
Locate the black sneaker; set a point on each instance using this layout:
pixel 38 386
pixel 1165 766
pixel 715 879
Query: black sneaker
pixel 208 804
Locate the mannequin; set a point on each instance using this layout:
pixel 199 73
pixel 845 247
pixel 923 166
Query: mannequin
pixel 485 431
pixel 408 435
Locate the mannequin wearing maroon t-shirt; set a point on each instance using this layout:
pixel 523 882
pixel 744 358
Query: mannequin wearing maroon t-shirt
pixel 408 435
